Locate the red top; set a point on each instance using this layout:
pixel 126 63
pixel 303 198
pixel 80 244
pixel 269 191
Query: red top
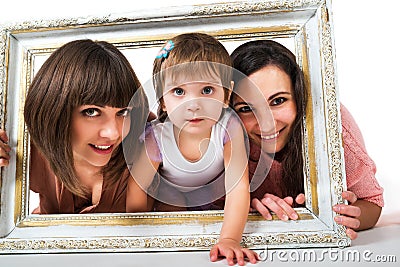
pixel 55 198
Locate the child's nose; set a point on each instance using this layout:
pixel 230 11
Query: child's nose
pixel 193 105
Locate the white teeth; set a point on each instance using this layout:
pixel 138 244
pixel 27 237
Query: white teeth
pixel 102 147
pixel 269 137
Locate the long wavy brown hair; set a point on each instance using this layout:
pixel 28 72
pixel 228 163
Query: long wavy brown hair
pixel 255 55
pixel 82 72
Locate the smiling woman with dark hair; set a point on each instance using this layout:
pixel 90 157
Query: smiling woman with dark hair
pixel 273 73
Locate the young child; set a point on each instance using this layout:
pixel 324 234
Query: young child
pixel 197 145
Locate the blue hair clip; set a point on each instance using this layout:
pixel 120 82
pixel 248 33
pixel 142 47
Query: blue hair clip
pixel 165 50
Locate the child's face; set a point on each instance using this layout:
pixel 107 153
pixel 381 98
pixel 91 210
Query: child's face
pixel 194 107
pixel 96 133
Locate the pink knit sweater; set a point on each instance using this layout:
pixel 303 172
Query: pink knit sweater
pixel 360 169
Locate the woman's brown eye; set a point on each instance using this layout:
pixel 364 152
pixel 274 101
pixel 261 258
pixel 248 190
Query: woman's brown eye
pixel 124 112
pixel 278 101
pixel 244 109
pixel 90 112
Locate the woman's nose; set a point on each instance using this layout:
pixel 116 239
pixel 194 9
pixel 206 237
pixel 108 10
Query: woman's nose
pixel 111 129
pixel 266 122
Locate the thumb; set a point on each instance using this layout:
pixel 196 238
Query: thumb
pixel 349 196
pixel 3 136
pixel 300 199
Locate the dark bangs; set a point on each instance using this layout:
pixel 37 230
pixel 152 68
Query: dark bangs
pixel 108 81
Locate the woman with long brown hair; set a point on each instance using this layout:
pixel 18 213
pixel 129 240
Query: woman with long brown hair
pixel 75 111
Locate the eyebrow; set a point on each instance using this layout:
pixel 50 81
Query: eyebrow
pixel 241 103
pixel 279 93
pixel 86 106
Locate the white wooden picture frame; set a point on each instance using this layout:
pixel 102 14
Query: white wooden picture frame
pixel 303 25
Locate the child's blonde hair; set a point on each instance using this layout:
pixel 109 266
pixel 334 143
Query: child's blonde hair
pixel 191 54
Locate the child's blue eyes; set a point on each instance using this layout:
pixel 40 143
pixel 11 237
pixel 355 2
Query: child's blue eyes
pixel 178 91
pixel 205 91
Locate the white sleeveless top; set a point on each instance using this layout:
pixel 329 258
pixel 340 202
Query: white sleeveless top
pixel 185 175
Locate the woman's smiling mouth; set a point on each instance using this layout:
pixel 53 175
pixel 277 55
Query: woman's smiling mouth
pixel 270 137
pixel 102 149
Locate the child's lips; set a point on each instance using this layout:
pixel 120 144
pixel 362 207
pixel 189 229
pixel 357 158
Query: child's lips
pixel 195 120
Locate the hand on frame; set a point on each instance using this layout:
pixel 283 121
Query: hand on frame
pixel 348 214
pixel 4 149
pixel 282 207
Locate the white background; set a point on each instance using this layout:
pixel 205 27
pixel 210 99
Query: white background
pixel 367 57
